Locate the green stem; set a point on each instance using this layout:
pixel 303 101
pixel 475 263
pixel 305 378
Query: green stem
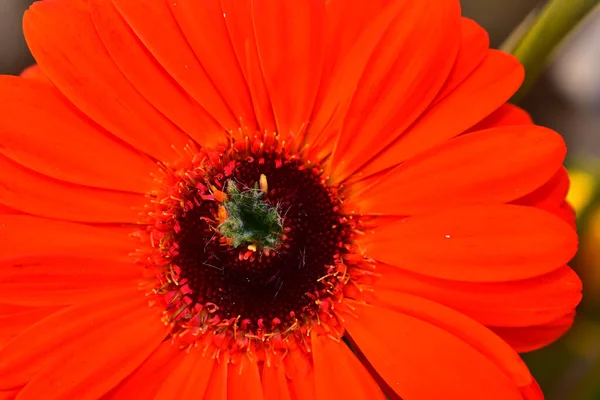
pixel 551 26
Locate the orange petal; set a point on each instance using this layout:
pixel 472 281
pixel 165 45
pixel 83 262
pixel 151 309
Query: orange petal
pixel 189 379
pixel 344 25
pixel 76 333
pixel 530 338
pixel 145 381
pixel 239 21
pixel 473 48
pixel 31 192
pixel 470 169
pixel 550 195
pixel 301 375
pixel 149 77
pixel 13 324
pixel 46 294
pixel 217 384
pixel 476 244
pixel 97 359
pixel 493 82
pixel 8 309
pixel 9 394
pixel 533 301
pixel 35 73
pixel 154 24
pixel 507 115
pixel 7 210
pixel 422 349
pixel 56 238
pixel 203 24
pixel 339 374
pixel 60 280
pixel 274 382
pixel 243 381
pixel 60 269
pixel 566 212
pixel 48 135
pixel 290 42
pixel 74 58
pixel 380 35
pixel 395 86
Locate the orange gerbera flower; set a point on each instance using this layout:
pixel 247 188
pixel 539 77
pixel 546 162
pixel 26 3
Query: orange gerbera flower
pixel 214 199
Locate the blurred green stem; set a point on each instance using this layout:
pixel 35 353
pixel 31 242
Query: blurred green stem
pixel 535 46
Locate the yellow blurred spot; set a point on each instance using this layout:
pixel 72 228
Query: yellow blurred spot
pixel 582 188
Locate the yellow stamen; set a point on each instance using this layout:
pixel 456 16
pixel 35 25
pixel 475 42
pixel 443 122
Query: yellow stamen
pixel 264 186
pixel 220 196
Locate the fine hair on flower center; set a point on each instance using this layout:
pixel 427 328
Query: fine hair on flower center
pixel 249 218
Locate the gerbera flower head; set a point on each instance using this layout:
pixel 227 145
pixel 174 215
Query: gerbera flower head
pixel 275 200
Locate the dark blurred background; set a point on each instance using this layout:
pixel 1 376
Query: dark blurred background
pixel 567 99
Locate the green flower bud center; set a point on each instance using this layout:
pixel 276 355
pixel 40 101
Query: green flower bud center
pixel 251 220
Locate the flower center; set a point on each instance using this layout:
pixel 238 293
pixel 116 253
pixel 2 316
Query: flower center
pixel 250 247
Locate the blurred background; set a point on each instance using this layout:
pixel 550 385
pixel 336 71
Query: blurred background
pixel 567 99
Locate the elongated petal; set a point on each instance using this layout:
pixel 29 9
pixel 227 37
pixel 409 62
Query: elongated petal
pixel 155 25
pixel 13 324
pixel 204 26
pixel 189 379
pixel 566 212
pixel 478 243
pixel 240 25
pixel 37 194
pixel 217 386
pixel 60 238
pixel 549 196
pixel 7 210
pixel 473 48
pixel 145 381
pixel 301 375
pixel 47 134
pixel 530 338
pixel 9 394
pixel 344 26
pixel 243 381
pixel 471 169
pixel 64 333
pixel 35 73
pixel 533 301
pixel 508 114
pixel 371 68
pixel 493 82
pixel 290 41
pixel 65 269
pixel 395 86
pixel 274 382
pixel 75 373
pixel 423 349
pixel 76 61
pixel 345 378
pixel 148 77
pixel 62 280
